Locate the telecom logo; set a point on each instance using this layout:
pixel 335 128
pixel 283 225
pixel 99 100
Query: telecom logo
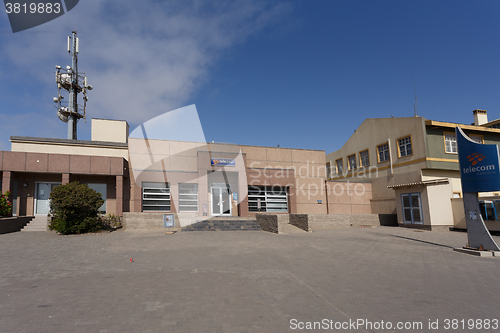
pixel 474 159
pixel 25 15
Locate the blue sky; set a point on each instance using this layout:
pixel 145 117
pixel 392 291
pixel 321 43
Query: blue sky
pixel 301 74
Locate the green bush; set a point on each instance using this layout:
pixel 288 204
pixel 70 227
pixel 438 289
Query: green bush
pixel 74 208
pixel 5 205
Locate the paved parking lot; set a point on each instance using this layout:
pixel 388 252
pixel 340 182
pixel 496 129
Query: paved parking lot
pixel 249 281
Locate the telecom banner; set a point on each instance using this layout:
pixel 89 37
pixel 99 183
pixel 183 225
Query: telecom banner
pixel 479 165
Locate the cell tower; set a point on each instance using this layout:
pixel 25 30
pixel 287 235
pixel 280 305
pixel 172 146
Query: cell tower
pixel 69 79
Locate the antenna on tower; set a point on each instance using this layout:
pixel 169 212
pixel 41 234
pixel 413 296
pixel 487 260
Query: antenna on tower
pixel 70 80
pixel 415 107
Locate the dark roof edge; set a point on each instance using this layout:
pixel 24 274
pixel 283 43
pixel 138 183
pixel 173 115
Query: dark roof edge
pixel 69 142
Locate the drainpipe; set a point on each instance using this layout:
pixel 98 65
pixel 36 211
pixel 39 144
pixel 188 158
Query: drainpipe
pixel 390 154
pixel 326 197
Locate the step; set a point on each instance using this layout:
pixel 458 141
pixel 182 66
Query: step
pixel 39 223
pixel 232 224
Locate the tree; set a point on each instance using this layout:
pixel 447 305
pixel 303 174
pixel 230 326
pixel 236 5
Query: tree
pixel 75 209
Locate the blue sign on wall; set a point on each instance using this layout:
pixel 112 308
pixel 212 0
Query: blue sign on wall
pixel 222 161
pixel 479 164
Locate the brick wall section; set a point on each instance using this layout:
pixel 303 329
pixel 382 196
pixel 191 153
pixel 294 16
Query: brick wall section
pixel 310 222
pixel 268 222
pixel 154 221
pixel 300 221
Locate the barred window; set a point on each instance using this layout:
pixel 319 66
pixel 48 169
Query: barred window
pixel 340 166
pixel 352 161
pixel 268 199
pixel 155 197
pixel 364 158
pixel 383 152
pixel 188 197
pixel 405 148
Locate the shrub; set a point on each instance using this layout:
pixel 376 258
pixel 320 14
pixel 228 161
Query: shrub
pixel 74 208
pixel 5 204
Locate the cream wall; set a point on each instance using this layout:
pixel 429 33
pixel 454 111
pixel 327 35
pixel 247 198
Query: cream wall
pixel 71 149
pixel 109 130
pixel 440 210
pixel 309 167
pixel 453 177
pixel 459 216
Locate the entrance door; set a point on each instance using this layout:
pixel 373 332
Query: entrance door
pixel 412 208
pixel 42 197
pixel 221 201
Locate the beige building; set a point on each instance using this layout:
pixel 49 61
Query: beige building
pixel 412 165
pixel 194 179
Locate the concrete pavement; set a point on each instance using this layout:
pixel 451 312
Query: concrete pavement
pixel 249 281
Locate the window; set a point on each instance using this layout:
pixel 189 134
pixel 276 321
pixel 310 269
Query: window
pixel 155 197
pixel 488 210
pixel 405 146
pixel 268 199
pixel 476 138
pixel 188 197
pixel 101 189
pixel 328 170
pixel 450 143
pixel 412 212
pixel 383 152
pixel 364 158
pixel 352 161
pixel 340 166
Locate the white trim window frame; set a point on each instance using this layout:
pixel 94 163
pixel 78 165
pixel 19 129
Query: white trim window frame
pixel 271 198
pixel 188 197
pixel 450 142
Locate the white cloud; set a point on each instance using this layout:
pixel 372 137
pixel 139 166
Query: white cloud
pixel 142 57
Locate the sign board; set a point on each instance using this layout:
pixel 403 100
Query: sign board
pixel 168 220
pixel 479 170
pixel 479 165
pixel 235 196
pixel 222 162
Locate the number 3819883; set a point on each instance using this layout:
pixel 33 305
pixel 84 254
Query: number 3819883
pixel 32 8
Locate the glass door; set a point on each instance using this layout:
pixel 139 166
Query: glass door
pixel 221 201
pixel 42 197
